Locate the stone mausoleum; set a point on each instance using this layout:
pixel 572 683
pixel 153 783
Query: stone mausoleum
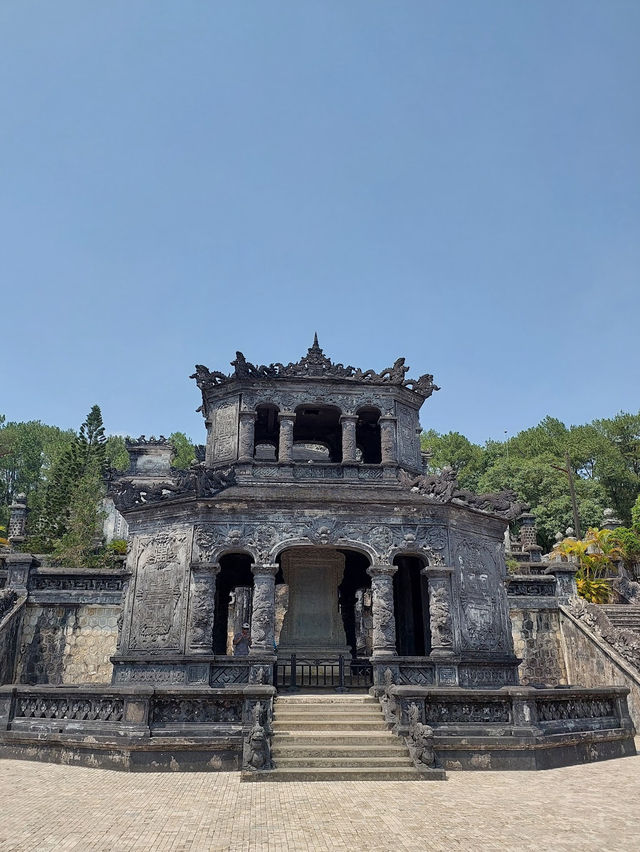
pixel 371 587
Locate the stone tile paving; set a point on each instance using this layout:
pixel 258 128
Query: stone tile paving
pixel 49 807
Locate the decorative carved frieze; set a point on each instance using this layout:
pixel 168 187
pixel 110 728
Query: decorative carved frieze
pixel 487 676
pixel 534 587
pixel 190 710
pixel 263 540
pixel 438 712
pixel 575 708
pixel 71 582
pixel 80 709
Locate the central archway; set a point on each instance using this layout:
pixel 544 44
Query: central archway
pixel 323 586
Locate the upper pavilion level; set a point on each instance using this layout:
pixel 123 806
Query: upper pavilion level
pixel 312 414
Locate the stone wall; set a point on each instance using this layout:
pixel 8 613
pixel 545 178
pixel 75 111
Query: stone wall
pixel 590 662
pixel 537 640
pixel 67 644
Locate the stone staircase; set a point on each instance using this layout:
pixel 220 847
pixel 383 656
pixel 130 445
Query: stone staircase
pixel 331 737
pixel 623 616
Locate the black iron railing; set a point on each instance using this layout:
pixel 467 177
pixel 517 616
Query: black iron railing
pixel 341 673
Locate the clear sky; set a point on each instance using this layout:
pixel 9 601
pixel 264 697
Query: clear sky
pixel 455 182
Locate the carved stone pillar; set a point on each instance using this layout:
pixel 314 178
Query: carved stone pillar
pixel 18 520
pixel 384 618
pixel 440 617
pixel 388 442
pixel 202 602
pixel 348 422
pixel 285 447
pixel 263 617
pixel 246 449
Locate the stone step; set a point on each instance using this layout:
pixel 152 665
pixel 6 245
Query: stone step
pixel 330 739
pixel 322 724
pixel 348 713
pixel 331 698
pixel 346 751
pixel 396 762
pixel 347 773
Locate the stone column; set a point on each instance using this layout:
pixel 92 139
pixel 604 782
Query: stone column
pixel 384 618
pixel 285 447
pixel 440 618
pixel 246 449
pixel 388 442
pixel 348 422
pixel 263 617
pixel 18 520
pixel 202 603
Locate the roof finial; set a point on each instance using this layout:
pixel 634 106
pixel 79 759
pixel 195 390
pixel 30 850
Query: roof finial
pixel 316 345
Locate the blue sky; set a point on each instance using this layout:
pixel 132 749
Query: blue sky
pixel 457 183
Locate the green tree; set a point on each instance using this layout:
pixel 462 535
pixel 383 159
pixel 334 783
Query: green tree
pixel 83 460
pixel 116 452
pixel 456 451
pixel 185 451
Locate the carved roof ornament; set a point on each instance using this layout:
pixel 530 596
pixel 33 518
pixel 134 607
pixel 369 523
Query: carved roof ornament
pixel 315 364
pixel 443 488
pixel 143 441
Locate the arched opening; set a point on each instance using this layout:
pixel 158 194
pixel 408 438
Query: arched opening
pixel 368 435
pixel 234 590
pixel 317 434
pixel 266 433
pixel 411 598
pixel 354 595
pixel 323 587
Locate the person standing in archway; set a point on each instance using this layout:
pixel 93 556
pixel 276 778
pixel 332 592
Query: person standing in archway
pixel 242 642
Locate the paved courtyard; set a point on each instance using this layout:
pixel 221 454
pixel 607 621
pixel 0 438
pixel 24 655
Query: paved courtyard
pixel 49 807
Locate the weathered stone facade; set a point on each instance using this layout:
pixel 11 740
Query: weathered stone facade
pixel 311 516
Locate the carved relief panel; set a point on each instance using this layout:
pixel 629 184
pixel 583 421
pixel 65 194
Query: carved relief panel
pixel 483 607
pixel 224 431
pixel 408 441
pixel 158 592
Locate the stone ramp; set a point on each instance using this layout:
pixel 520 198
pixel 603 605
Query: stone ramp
pixel 334 737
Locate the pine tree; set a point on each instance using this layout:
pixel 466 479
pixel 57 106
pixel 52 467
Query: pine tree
pixel 79 470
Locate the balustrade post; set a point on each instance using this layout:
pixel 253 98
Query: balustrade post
pixel 440 609
pixel 565 574
pixel 202 603
pixel 246 450
pixel 388 441
pixel 383 610
pixel 285 445
pixel 348 422
pixel 263 616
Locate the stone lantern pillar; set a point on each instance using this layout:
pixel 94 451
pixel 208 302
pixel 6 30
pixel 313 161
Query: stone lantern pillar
pixel 383 610
pixel 440 608
pixel 263 616
pixel 388 441
pixel 348 422
pixel 18 519
pixel 285 446
pixel 246 449
pixel 202 600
